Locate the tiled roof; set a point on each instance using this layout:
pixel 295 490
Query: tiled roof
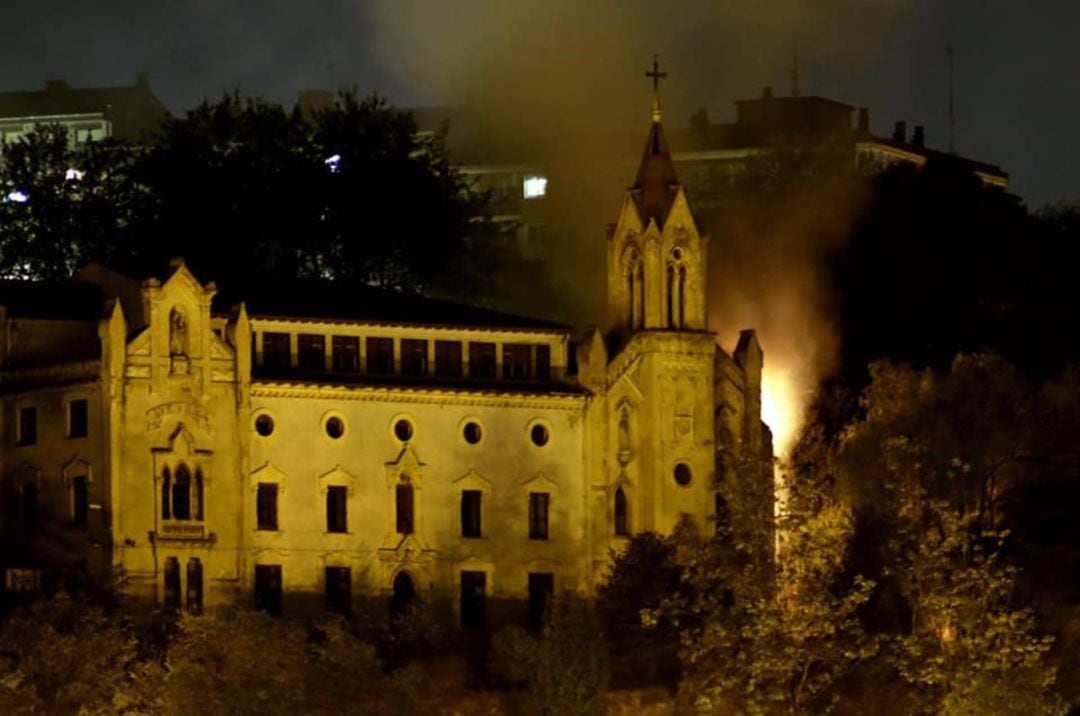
pixel 347 301
pixel 55 300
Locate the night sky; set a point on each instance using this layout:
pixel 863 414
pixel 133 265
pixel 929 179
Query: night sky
pixel 1016 91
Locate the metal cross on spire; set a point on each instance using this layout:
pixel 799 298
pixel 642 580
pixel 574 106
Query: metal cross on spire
pixel 656 75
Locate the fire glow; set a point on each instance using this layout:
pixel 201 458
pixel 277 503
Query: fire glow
pixel 781 407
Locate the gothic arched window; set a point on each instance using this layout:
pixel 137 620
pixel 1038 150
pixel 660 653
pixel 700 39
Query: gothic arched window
pixel 682 297
pixel 166 487
pixel 624 430
pixel 622 513
pixel 635 291
pixel 404 504
pixel 671 287
pixel 181 494
pixel 198 494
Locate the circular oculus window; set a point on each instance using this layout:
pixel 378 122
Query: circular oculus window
pixel 334 427
pixel 264 425
pixel 403 430
pixel 539 435
pixel 472 432
pixel 683 475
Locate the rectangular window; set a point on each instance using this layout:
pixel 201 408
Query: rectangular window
pixel 481 360
pixel 338 590
pixel 346 354
pixel 268 588
pixel 541 587
pixel 337 509
pixel 413 357
pixel 473 600
pixel 80 501
pixel 404 505
pixel 516 361
pixel 28 425
pixel 171 596
pixel 266 506
pixel 534 187
pixel 78 419
pixel 538 515
pixel 276 351
pixel 380 356
pixel 194 586
pixel 311 352
pixel 470 513
pixel 543 362
pixel 448 359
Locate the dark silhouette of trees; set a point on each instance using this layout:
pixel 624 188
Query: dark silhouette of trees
pixel 243 188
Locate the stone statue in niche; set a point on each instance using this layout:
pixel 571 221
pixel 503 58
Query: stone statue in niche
pixel 178 334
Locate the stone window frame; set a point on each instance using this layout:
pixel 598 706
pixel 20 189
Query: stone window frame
pixel 181 450
pixel 461 430
pixel 393 433
pixel 338 477
pixel 267 473
pixel 546 424
pixel 326 417
pixel 541 484
pixel 258 413
pixel 77 467
pixel 473 481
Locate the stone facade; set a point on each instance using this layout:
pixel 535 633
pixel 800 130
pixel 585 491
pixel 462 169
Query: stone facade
pixel 299 451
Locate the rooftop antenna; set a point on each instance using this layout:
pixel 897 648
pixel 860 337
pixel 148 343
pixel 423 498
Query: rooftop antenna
pixel 795 90
pixel 952 109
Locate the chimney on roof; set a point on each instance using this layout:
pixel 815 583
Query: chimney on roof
pixel 864 120
pixel 766 92
pixel 56 86
pixel 918 139
pixel 899 133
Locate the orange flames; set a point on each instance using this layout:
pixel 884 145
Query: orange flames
pixel 782 405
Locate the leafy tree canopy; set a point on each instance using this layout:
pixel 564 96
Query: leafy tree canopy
pixel 244 188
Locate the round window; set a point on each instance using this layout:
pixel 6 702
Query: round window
pixel 539 435
pixel 335 427
pixel 403 430
pixel 472 433
pixel 683 474
pixel 676 253
pixel 264 425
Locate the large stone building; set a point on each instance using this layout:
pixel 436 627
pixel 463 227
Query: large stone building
pixel 300 446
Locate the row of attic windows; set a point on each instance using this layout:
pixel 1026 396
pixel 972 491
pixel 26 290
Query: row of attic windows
pixel 413 357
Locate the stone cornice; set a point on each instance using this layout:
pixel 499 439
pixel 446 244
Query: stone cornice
pixel 563 401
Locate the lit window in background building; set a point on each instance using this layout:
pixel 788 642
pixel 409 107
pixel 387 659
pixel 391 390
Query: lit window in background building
pixel 18 197
pixel 534 187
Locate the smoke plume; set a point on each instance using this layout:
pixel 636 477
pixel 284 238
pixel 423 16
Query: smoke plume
pixel 563 80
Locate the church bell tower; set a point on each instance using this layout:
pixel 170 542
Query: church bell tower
pixel 660 463
pixel 656 264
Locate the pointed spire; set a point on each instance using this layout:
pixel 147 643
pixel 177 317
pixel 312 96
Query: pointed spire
pixel 656 183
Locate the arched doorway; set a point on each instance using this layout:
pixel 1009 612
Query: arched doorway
pixel 404 593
